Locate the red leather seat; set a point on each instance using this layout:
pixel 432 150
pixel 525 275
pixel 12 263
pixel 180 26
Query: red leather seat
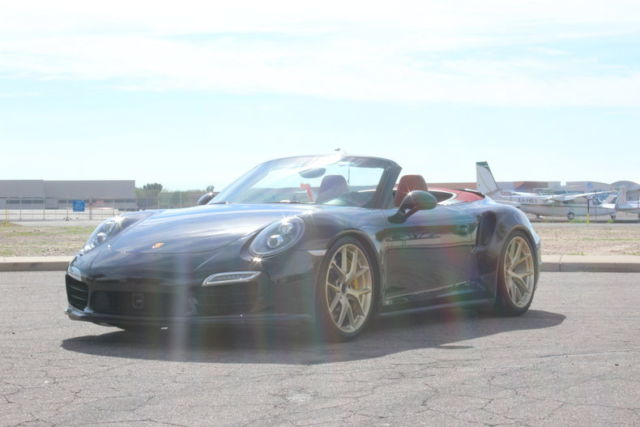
pixel 407 184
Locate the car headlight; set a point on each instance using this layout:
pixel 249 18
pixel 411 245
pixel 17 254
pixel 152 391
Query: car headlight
pixel 278 237
pixel 106 229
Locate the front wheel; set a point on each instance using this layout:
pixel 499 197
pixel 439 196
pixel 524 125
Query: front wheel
pixel 346 290
pixel 571 216
pixel 516 275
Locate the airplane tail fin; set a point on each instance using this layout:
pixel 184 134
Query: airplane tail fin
pixel 484 179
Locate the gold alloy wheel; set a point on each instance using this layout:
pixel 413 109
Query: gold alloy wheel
pixel 519 272
pixel 348 288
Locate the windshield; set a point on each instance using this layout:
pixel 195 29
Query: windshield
pixel 328 180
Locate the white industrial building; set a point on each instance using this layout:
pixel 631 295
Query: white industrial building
pixel 40 194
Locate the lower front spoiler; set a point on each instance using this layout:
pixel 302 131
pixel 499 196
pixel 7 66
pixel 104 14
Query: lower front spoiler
pixel 228 319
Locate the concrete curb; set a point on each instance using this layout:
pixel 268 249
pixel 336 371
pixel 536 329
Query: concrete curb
pixel 551 263
pixel 593 264
pixel 49 263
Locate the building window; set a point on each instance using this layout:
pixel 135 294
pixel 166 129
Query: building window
pixel 19 202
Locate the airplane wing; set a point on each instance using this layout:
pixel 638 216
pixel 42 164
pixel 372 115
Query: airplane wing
pixel 568 197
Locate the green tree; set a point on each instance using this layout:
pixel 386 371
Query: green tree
pixel 154 188
pixel 148 195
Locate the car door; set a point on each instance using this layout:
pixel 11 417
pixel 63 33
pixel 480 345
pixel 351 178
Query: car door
pixel 428 254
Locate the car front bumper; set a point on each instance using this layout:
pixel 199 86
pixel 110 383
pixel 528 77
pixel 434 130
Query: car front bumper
pixel 273 294
pixel 230 319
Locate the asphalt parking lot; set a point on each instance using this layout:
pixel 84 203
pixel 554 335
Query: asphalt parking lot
pixel 574 358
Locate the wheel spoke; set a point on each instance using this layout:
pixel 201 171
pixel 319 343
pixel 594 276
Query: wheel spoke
pixel 354 266
pixel 512 290
pixel 343 311
pixel 522 286
pixel 344 260
pixel 334 302
pixel 516 255
pixel 352 318
pixel 360 272
pixel 517 293
pixel 358 307
pixel 336 288
pixel 357 293
pixel 511 251
pixel 523 258
pixel 335 265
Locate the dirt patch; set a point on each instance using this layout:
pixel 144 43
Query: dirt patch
pixel 560 239
pixel 20 240
pixel 585 239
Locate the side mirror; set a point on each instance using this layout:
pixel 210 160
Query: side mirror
pixel 413 202
pixel 205 198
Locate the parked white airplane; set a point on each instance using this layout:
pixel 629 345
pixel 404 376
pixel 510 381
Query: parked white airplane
pixel 622 204
pixel 542 205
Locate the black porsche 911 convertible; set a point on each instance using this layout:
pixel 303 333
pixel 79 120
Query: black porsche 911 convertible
pixel 332 239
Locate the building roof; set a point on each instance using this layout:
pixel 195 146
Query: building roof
pixel 87 190
pixel 123 189
pixel 22 188
pixel 454 185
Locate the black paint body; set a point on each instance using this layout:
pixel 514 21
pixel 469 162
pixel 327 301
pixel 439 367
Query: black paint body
pixel 444 256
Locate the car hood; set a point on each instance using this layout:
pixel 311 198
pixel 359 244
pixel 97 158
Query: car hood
pixel 199 229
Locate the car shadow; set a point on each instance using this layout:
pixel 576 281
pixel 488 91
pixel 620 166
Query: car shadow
pixel 298 344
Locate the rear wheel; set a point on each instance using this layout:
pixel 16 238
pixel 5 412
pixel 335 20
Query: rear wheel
pixel 346 290
pixel 571 216
pixel 516 275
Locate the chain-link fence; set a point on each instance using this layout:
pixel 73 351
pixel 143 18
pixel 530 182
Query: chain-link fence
pixel 38 209
pixel 170 200
pixel 45 209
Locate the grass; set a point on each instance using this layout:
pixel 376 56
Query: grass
pixel 29 233
pixel 609 239
pixel 24 240
pixel 78 229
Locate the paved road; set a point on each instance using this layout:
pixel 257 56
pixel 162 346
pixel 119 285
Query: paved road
pixel 573 359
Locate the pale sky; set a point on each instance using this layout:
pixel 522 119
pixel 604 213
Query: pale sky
pixel 191 94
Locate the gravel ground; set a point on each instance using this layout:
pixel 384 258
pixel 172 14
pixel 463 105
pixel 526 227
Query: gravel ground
pixel 589 239
pixel 557 239
pixel 21 240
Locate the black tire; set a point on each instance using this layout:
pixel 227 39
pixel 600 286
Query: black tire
pixel 324 317
pixel 571 216
pixel 504 302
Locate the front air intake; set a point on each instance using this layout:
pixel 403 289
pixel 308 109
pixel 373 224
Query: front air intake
pixel 77 293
